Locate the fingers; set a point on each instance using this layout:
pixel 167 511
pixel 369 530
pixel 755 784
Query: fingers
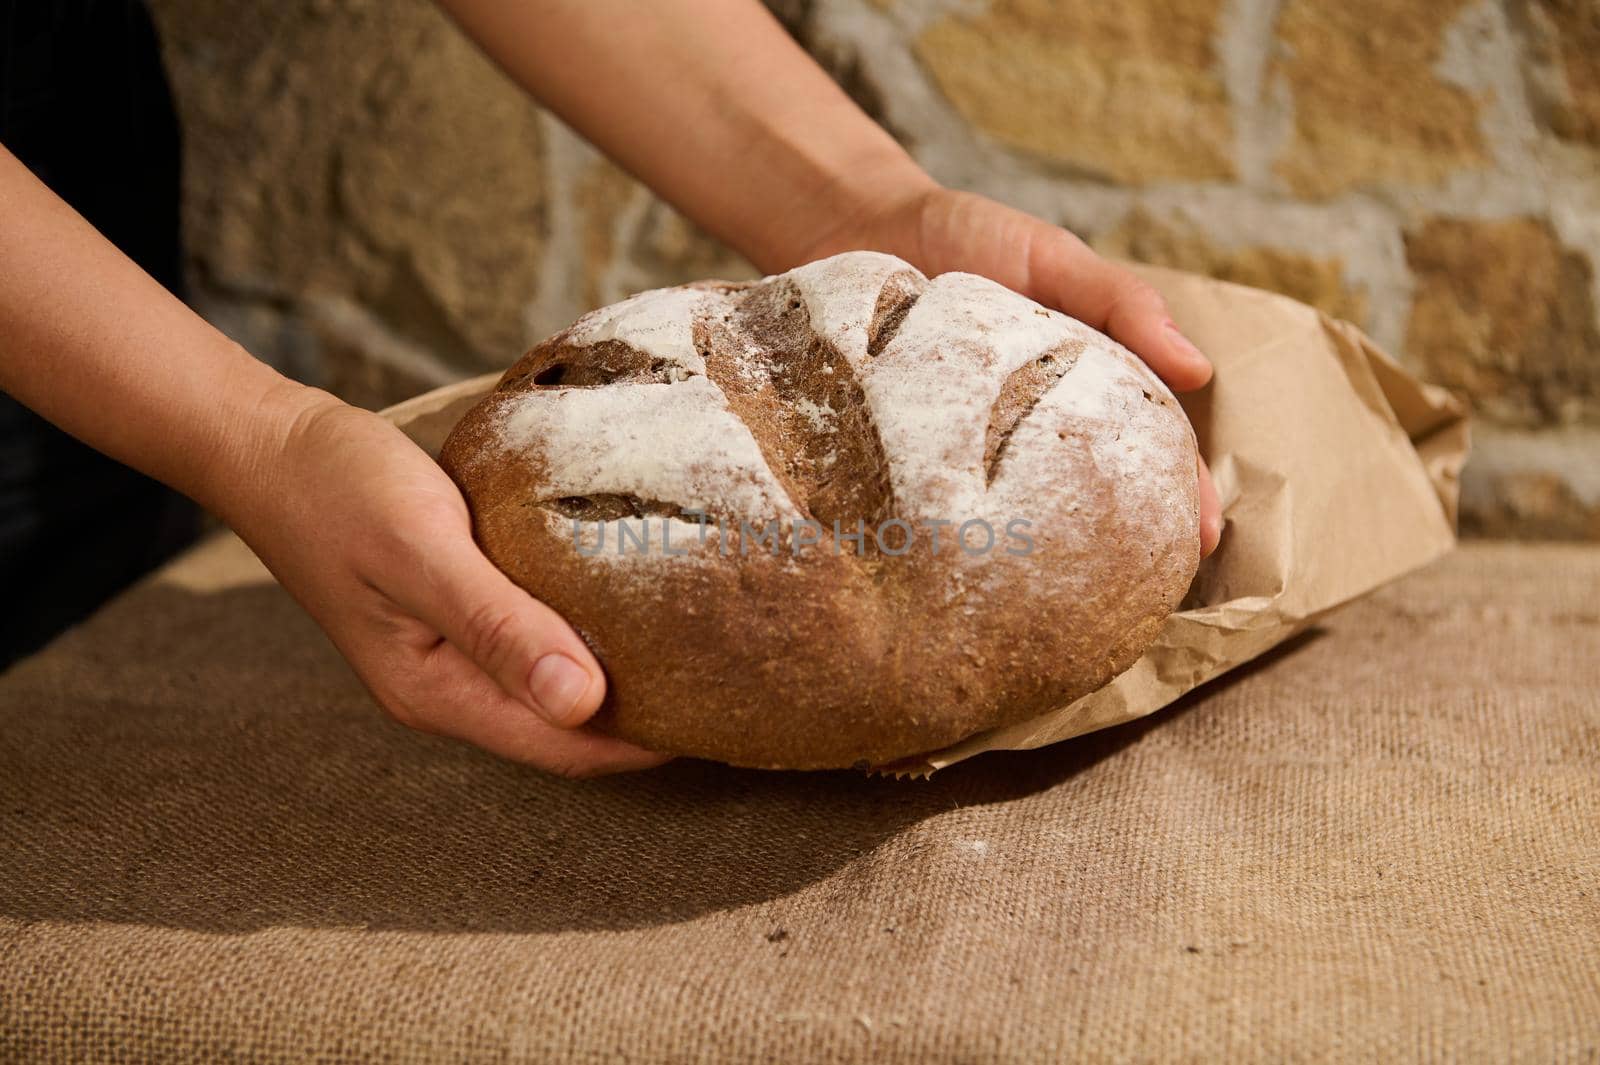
pixel 1210 512
pixel 429 684
pixel 379 549
pixel 963 231
pixel 1139 320
pixel 1114 300
pixel 530 651
pixel 450 695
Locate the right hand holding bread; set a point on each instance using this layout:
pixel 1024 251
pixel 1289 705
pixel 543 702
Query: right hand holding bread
pixel 939 230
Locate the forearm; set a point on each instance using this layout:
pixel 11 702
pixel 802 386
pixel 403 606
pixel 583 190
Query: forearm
pixel 99 348
pixel 711 104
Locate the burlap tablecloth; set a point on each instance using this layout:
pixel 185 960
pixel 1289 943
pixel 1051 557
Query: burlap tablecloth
pixel 1380 842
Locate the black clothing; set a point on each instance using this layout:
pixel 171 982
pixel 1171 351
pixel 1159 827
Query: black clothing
pixel 84 104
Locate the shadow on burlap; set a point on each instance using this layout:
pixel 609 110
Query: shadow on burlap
pixel 1383 839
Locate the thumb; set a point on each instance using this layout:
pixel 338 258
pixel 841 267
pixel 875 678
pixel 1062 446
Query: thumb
pixel 529 649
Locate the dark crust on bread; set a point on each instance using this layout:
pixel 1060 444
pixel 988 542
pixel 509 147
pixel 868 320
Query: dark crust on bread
pixel 831 660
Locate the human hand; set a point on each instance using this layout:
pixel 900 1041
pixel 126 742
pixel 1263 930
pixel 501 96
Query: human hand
pixel 748 120
pixel 374 540
pixel 938 230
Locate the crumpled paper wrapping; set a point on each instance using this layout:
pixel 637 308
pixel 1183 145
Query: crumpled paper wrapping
pixel 1337 470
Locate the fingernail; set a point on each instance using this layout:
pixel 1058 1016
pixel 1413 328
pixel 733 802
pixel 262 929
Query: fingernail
pixel 557 683
pixel 1185 344
pixel 1210 534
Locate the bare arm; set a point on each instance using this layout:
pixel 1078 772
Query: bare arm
pixel 709 102
pixel 361 527
pixel 98 347
pixel 713 105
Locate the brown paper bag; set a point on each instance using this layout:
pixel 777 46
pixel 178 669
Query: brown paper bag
pixel 1338 471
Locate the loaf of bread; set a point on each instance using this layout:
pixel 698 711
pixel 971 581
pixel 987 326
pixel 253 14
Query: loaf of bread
pixel 841 515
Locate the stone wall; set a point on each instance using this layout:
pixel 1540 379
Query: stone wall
pixel 374 207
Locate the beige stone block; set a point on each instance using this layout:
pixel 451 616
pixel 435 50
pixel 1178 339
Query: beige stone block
pixel 1529 505
pixel 674 250
pixel 362 150
pixel 1173 242
pixel 632 240
pixel 1504 313
pixel 1368 104
pixel 1533 484
pixel 1564 64
pixel 1128 90
pixel 603 193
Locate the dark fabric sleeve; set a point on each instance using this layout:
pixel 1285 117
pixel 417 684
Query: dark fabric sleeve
pixel 84 103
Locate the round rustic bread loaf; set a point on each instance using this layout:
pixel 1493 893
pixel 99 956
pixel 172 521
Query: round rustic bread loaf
pixel 845 514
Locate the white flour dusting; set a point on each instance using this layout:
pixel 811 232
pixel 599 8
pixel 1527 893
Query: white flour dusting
pixel 659 322
pixel 819 417
pixel 929 391
pixel 933 386
pixel 677 443
pixel 841 294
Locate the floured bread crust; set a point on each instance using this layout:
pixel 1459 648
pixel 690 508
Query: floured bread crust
pixel 680 423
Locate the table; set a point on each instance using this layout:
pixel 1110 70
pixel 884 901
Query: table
pixel 1381 841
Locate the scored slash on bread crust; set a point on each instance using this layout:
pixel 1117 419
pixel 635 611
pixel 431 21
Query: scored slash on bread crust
pixel 849 390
